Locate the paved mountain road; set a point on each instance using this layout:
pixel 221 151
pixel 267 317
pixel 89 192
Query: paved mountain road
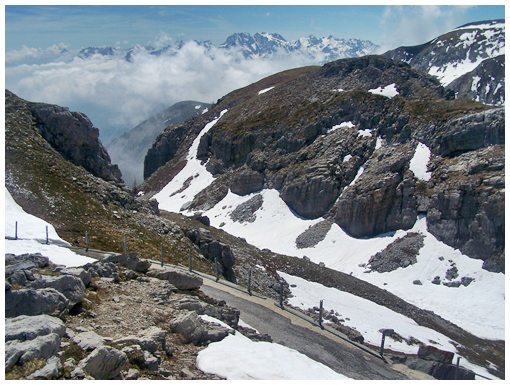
pixel 293 332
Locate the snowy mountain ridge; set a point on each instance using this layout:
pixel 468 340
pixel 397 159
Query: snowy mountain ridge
pixel 456 58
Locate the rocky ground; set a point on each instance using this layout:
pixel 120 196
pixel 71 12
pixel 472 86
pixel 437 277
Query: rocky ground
pixel 115 319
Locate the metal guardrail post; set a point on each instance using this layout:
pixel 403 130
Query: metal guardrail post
pixel 281 294
pixel 16 230
pixel 190 261
pixel 249 281
pixel 457 368
pixel 86 241
pixel 47 240
pixel 321 310
pixel 384 332
pixel 161 253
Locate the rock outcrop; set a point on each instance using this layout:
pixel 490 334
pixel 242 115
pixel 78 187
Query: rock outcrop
pixel 75 138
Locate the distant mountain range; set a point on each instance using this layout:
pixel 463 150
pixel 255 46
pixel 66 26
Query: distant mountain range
pixel 258 45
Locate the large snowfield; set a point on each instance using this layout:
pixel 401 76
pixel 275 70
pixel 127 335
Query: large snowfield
pixel 479 308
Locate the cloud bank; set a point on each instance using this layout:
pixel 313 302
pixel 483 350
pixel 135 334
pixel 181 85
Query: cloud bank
pixel 118 94
pixel 413 25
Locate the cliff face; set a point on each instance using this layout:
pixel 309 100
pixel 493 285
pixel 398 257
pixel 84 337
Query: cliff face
pixel 338 142
pixel 73 136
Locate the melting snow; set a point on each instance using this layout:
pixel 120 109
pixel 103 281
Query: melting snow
pixel 418 164
pixel 347 158
pixel 265 90
pixel 363 315
pixel 198 107
pixel 205 110
pixel 378 143
pixel 389 91
pixel 32 237
pixel 237 357
pixel 367 132
pixel 343 124
pixel 193 173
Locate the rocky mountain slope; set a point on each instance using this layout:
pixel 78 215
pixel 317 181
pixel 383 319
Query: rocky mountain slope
pixel 310 137
pixel 469 60
pixel 365 166
pixel 128 151
pixel 71 134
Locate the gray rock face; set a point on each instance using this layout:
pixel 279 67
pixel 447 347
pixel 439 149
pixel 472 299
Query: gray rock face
pixel 382 199
pixel 466 207
pixel 180 279
pixel 24 327
pixel 247 182
pixel 34 302
pixel 70 286
pixel 19 352
pixel 104 363
pixel 151 340
pixel 73 135
pixel 471 132
pixel 245 212
pixel 400 253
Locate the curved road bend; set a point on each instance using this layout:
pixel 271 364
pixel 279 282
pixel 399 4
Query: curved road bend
pixel 293 332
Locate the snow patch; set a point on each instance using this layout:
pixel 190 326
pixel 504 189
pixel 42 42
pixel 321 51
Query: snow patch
pixel 198 107
pixel 265 90
pixel 418 164
pixel 347 158
pixel 192 179
pixel 363 315
pixel 365 133
pixel 236 357
pixel 32 237
pixel 343 124
pixel 389 91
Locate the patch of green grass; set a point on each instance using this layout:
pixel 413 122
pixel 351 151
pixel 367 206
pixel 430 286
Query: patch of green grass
pixel 21 371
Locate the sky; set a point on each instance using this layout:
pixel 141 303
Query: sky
pixel 41 43
pixel 83 26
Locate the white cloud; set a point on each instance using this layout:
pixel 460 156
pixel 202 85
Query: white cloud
pixel 29 55
pixel 412 25
pixel 117 94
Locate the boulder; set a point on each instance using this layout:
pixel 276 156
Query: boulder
pixel 19 352
pixel 180 279
pixel 24 262
pixel 24 327
pixel 34 302
pixel 190 328
pixel 79 272
pixel 104 363
pixel 431 353
pixel 130 261
pixel 151 340
pixel 20 277
pixel 50 371
pixel 70 286
pixel 88 340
